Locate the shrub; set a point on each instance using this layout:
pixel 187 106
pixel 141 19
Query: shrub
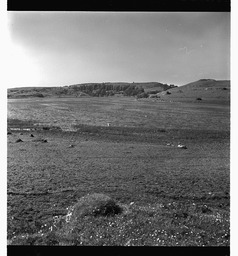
pixel 94 205
pixel 154 92
pixel 198 99
pixel 40 95
pixel 142 95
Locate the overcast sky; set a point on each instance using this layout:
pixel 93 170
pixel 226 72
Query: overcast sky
pixel 63 48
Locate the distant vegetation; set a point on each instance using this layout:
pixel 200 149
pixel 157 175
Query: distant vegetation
pixel 101 90
pixel 140 90
pixel 206 89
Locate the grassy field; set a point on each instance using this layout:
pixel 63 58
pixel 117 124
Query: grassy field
pixel 121 112
pixel 172 196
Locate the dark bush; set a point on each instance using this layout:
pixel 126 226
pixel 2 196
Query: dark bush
pixel 154 92
pixel 40 95
pixel 142 95
pixel 94 205
pixel 205 209
pixel 198 98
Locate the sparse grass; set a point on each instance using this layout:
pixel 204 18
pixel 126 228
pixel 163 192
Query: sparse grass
pixel 181 197
pixel 171 224
pixel 123 112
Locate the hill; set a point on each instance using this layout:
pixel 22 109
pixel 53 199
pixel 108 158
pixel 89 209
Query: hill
pixel 203 90
pixel 208 83
pixel 90 89
pixel 209 90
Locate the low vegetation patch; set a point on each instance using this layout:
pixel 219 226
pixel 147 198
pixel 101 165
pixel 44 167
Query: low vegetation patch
pixel 17 123
pixel 160 224
pixel 94 205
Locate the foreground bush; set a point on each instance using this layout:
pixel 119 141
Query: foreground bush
pixel 94 205
pixel 160 224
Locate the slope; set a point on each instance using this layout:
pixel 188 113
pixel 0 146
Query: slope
pixel 204 90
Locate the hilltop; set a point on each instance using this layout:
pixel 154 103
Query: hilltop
pixel 205 83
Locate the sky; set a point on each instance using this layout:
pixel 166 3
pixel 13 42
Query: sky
pixel 64 48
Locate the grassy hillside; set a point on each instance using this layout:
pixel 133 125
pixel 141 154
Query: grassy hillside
pixel 88 89
pixel 209 90
pixel 211 83
pixel 204 89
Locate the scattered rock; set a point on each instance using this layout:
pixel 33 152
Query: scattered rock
pixel 19 140
pixel 71 146
pixel 40 140
pixel 170 144
pixel 182 146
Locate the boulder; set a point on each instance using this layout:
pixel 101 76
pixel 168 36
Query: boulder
pixel 182 146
